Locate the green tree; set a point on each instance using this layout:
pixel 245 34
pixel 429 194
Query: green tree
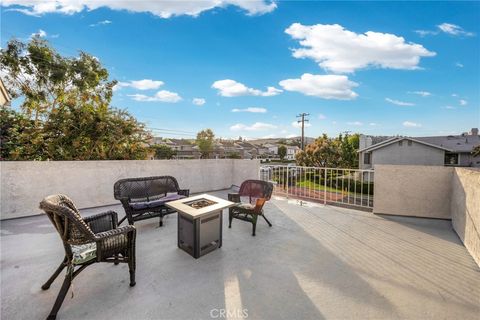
pixel 331 152
pixel 233 155
pixel 205 142
pixel 476 151
pixel 348 150
pixel 164 152
pixel 16 130
pixel 66 102
pixel 324 152
pixel 282 152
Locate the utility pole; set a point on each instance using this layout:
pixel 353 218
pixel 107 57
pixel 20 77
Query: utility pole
pixel 302 121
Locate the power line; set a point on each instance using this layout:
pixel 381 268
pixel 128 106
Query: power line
pixel 163 129
pixel 302 121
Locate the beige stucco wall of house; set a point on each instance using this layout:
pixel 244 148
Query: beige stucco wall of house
pixel 415 154
pixel 420 191
pixel 405 154
pixel 90 183
pixel 465 208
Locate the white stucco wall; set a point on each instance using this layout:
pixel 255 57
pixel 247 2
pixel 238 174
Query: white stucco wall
pixel 465 209
pixel 23 184
pixel 418 191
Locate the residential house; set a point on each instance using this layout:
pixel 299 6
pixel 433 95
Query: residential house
pixel 272 148
pixel 452 150
pixel 250 151
pixel 185 148
pixel 292 152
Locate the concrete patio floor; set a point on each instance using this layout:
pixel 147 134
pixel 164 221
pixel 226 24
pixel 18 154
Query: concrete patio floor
pixel 315 262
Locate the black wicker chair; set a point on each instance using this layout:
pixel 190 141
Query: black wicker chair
pixel 145 198
pixel 87 241
pixel 257 192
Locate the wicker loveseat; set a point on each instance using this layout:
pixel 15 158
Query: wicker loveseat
pixel 145 198
pixel 86 241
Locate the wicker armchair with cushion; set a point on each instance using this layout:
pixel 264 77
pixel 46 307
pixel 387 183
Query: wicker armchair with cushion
pixel 256 192
pixel 145 198
pixel 86 241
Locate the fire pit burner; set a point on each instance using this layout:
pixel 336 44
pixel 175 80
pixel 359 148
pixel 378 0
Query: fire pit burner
pixel 200 203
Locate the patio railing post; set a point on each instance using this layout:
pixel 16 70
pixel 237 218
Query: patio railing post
pixel 325 187
pixel 286 187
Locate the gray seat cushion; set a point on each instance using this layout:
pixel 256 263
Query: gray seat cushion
pixel 155 203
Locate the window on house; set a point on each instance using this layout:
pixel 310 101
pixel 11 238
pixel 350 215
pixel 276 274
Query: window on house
pixel 400 143
pixel 366 158
pixel 451 159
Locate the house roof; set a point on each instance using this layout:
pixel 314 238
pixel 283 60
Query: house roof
pixel 380 144
pixel 397 139
pixel 180 142
pixel 457 143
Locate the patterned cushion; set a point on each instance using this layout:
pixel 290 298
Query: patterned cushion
pixel 84 252
pixel 247 206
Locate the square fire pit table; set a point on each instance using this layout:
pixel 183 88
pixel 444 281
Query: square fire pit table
pixel 199 223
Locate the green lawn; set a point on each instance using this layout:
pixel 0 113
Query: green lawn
pixel 321 187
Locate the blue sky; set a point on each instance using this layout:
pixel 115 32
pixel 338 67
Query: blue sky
pixel 379 68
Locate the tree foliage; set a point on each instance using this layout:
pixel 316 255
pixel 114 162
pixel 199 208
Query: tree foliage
pixel 233 155
pixel 205 142
pixel 331 152
pixel 65 111
pixel 164 152
pixel 282 152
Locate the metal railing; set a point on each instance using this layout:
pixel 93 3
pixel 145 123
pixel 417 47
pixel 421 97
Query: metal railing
pixel 335 186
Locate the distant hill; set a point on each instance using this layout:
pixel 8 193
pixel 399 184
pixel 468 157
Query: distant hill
pixel 293 140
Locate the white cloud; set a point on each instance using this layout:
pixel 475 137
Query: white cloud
pixel 454 30
pixel 463 102
pixel 423 33
pixel 399 103
pixel 355 123
pixel 163 9
pixel 232 88
pixel 454 95
pixel 291 136
pixel 160 96
pixel 145 84
pixel 339 50
pixel 410 124
pixel 459 65
pixel 322 86
pixel 101 23
pixel 251 109
pixel 257 126
pixel 199 101
pixel 297 124
pixel 322 117
pixel 40 33
pixel 449 28
pixel 449 107
pixel 373 124
pixel 421 93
